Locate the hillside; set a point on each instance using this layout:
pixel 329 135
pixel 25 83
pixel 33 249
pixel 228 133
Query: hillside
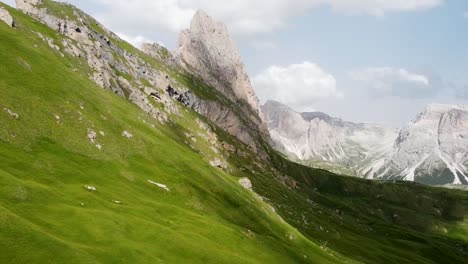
pixel 106 164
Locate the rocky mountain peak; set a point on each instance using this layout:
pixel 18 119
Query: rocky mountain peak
pixel 207 50
pixel 434 111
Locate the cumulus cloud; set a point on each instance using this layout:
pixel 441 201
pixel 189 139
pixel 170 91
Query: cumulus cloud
pixel 387 81
pixel 136 41
pixel 297 85
pixel 243 17
pixel 144 15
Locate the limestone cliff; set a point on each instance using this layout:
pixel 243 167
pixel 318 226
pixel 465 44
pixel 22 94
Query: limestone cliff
pixel 153 76
pixel 207 49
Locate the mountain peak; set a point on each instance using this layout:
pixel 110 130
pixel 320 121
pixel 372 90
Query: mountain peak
pixel 207 50
pixel 435 111
pixel 200 15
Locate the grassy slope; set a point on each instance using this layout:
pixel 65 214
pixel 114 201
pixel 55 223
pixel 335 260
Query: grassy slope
pixel 46 214
pixel 377 222
pixel 207 215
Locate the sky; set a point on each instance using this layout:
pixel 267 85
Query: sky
pixel 361 60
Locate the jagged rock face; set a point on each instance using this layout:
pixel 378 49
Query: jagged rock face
pixel 433 148
pixel 319 137
pixel 107 60
pixel 109 63
pixel 159 52
pixel 207 50
pixel 6 17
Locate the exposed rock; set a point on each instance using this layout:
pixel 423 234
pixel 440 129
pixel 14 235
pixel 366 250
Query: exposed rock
pixel 160 53
pixel 160 185
pixel 92 136
pixel 6 17
pixel 217 163
pixel 432 149
pixel 326 141
pixel 127 74
pixel 11 113
pixel 90 188
pixel 127 134
pixel 209 51
pixel 246 183
pixel 97 49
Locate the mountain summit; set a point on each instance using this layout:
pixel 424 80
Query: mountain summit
pixel 208 50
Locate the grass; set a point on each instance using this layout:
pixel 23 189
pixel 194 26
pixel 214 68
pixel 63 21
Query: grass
pixel 47 215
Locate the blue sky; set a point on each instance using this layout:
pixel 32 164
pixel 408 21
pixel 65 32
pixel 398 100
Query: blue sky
pixel 362 60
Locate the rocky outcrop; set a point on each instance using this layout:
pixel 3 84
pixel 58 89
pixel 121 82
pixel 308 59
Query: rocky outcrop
pixel 129 74
pixel 207 50
pixel 113 68
pixel 160 53
pixel 6 17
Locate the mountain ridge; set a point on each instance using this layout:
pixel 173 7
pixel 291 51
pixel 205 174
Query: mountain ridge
pixel 151 174
pixel 438 125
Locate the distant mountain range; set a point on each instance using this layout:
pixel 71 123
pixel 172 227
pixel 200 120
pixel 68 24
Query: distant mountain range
pixel 432 149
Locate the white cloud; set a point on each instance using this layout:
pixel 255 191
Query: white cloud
pixel 297 85
pixel 144 15
pixel 135 41
pixel 243 17
pixel 465 15
pixel 387 81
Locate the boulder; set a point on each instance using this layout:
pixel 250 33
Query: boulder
pixel 6 17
